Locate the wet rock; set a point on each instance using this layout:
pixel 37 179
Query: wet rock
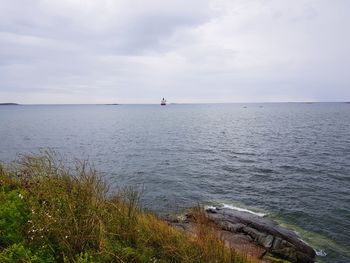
pixel 266 233
pixel 235 228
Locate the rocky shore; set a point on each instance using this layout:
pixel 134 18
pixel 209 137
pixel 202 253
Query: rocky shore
pixel 261 237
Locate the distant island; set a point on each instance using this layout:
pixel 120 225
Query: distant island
pixel 8 103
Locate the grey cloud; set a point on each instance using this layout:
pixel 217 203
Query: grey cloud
pixel 118 32
pixel 135 51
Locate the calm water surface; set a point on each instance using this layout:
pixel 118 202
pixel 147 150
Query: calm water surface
pixel 290 161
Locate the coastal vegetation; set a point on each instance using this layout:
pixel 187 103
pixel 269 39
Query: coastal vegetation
pixel 52 213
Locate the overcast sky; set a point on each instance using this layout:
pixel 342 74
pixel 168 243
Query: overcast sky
pixel 129 51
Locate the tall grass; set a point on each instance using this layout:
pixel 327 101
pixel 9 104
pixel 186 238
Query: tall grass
pixel 68 215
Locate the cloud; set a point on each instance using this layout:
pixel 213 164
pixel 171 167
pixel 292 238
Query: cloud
pixel 98 51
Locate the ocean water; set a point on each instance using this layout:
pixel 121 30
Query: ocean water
pixel 289 161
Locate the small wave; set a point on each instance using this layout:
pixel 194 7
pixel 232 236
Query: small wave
pixel 242 210
pixel 264 170
pixel 230 169
pixel 321 253
pixel 207 207
pixel 246 161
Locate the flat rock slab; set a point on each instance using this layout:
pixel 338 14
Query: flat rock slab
pixel 265 232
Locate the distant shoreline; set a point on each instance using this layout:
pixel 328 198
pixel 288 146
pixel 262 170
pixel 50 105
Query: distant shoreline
pixel 177 103
pixel 8 104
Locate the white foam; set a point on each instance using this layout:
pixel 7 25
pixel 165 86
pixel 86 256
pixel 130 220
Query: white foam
pixel 209 207
pixel 321 253
pixel 243 210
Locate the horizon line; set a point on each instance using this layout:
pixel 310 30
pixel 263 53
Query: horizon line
pixel 115 104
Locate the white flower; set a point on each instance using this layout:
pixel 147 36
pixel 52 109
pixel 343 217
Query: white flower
pixel 20 196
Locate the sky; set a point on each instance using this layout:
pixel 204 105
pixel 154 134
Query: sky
pixel 188 51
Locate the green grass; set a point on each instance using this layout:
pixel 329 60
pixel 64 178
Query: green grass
pixel 49 213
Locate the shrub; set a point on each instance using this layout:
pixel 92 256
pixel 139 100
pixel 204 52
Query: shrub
pixel 13 216
pixel 19 253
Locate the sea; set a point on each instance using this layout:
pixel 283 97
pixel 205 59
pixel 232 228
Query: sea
pixel 286 161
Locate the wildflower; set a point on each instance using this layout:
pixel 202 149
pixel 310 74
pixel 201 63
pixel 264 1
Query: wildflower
pixel 20 196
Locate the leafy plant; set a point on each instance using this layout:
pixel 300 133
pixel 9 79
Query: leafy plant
pixel 19 253
pixel 13 216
